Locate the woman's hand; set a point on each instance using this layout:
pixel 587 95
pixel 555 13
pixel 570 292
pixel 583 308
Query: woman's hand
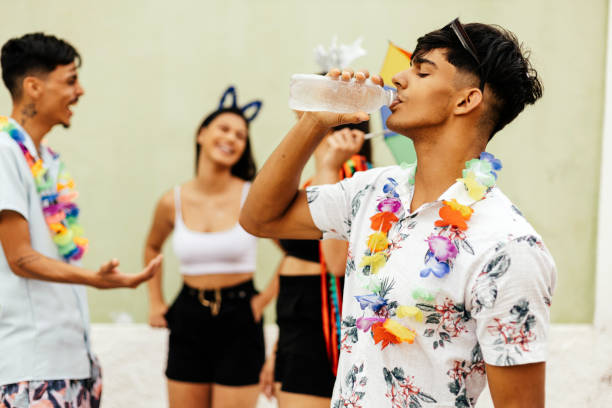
pixel 329 119
pixel 157 314
pixel 266 377
pixel 338 147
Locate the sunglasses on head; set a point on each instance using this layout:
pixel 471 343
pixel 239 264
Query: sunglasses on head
pixel 465 41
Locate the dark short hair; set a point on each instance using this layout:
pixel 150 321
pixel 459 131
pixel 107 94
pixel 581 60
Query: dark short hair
pixel 504 67
pixel 34 53
pixel 245 167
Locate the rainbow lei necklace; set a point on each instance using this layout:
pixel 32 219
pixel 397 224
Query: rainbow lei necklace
pixel 479 176
pixel 57 198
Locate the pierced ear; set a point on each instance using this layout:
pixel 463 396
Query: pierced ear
pixel 229 92
pixel 471 99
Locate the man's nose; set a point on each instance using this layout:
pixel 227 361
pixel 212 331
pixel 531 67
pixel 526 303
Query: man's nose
pixel 399 80
pixel 80 90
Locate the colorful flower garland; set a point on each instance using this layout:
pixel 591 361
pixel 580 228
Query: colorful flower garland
pixel 479 177
pixel 57 199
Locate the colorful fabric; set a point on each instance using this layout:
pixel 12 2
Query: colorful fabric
pixel 331 297
pixel 68 393
pixel 43 325
pixel 425 311
pixel 57 196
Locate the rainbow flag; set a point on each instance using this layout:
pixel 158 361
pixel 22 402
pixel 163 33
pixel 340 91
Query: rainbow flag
pixel 396 60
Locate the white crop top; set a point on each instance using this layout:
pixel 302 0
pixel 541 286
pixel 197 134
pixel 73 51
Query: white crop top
pixel 201 253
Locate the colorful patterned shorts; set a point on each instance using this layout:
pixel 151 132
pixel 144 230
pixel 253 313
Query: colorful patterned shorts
pixel 54 393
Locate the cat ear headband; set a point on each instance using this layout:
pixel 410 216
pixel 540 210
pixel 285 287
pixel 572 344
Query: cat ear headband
pixel 249 111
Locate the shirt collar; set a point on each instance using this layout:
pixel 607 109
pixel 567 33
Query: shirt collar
pixel 459 193
pixel 457 190
pixel 28 142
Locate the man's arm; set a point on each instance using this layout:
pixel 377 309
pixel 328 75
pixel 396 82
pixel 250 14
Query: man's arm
pixel 275 207
pixel 24 261
pixel 510 297
pixel 520 386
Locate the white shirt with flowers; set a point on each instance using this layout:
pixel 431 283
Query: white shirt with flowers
pixel 491 305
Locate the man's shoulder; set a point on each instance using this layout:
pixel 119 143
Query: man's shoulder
pixel 505 221
pixel 8 147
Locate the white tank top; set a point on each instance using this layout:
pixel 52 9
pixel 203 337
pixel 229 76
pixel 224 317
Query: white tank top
pixel 201 253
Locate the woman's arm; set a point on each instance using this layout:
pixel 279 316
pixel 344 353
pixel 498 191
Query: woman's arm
pixel 259 302
pixel 162 226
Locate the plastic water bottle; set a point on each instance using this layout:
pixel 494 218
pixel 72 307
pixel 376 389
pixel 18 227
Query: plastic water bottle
pixel 309 92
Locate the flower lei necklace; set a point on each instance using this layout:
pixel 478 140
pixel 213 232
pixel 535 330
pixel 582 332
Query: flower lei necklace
pixel 57 198
pixel 479 176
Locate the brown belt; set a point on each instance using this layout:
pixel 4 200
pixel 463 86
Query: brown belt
pixel 240 291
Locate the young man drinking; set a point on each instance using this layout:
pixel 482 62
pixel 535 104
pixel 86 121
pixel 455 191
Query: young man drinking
pixel 447 285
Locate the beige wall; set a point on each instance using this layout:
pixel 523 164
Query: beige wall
pixel 151 70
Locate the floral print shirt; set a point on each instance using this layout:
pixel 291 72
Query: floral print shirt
pixel 491 306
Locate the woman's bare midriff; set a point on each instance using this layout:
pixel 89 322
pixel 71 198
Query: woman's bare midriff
pixel 217 280
pixel 293 266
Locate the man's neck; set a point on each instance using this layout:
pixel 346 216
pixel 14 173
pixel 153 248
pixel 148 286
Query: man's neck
pixel 31 121
pixel 441 158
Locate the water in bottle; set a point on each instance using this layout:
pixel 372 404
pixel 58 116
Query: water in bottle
pixel 308 92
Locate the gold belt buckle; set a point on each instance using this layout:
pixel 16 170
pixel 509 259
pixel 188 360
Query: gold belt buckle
pixel 215 305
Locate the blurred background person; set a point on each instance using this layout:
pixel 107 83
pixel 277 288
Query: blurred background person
pixel 216 345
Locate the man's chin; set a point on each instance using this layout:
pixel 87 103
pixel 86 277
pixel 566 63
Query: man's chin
pixel 394 126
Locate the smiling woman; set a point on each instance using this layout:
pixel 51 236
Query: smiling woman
pixel 216 346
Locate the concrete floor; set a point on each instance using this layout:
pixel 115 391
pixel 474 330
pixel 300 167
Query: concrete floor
pixel 579 370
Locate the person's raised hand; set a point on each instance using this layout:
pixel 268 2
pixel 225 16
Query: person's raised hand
pixel 339 146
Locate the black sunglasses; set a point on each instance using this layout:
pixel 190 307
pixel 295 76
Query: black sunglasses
pixel 465 41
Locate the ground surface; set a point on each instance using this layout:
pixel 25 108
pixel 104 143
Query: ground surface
pixel 579 371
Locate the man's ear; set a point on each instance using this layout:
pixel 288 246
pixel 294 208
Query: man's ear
pixel 468 100
pixel 32 87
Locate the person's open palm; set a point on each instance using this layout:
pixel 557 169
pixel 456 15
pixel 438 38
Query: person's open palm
pixel 109 276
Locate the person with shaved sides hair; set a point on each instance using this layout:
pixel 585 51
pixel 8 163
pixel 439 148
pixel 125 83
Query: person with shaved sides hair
pixel 46 357
pixel 447 285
